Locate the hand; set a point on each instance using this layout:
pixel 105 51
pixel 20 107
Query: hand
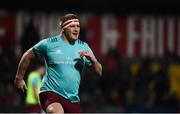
pixel 88 55
pixel 96 65
pixel 20 84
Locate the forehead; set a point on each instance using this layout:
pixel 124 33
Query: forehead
pixel 73 25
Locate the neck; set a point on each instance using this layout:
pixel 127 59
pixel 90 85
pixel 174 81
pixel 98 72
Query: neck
pixel 66 40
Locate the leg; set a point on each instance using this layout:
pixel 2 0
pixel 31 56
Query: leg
pixel 55 108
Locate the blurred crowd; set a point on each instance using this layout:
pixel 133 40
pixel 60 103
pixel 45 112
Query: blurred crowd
pixel 127 85
pixel 132 85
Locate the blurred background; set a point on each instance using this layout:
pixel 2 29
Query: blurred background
pixel 137 43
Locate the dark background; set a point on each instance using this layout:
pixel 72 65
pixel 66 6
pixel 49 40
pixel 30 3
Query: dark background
pixel 96 6
pixel 107 94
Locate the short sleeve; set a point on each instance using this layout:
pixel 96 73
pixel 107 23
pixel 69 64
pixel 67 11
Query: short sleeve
pixel 40 48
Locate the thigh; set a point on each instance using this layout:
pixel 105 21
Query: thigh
pixel 47 98
pixel 72 107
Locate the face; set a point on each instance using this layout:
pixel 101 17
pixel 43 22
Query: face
pixel 72 32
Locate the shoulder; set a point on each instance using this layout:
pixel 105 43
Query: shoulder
pixel 53 39
pixel 50 39
pixel 79 42
pixel 43 41
pixel 84 45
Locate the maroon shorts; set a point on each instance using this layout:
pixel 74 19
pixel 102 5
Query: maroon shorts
pixel 48 97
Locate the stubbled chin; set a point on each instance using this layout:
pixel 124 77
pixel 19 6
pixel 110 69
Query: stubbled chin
pixel 75 37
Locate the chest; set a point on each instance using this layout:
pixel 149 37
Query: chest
pixel 63 53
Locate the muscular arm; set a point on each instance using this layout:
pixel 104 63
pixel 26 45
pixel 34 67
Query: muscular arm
pixel 22 67
pixel 97 67
pixel 95 64
pixel 24 63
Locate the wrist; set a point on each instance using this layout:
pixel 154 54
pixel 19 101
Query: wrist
pixel 94 61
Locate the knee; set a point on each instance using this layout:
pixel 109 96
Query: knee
pixel 50 109
pixel 54 108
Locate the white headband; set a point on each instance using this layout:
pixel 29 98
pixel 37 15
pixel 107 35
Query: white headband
pixel 70 22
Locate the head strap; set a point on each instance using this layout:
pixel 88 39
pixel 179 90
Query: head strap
pixel 70 22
